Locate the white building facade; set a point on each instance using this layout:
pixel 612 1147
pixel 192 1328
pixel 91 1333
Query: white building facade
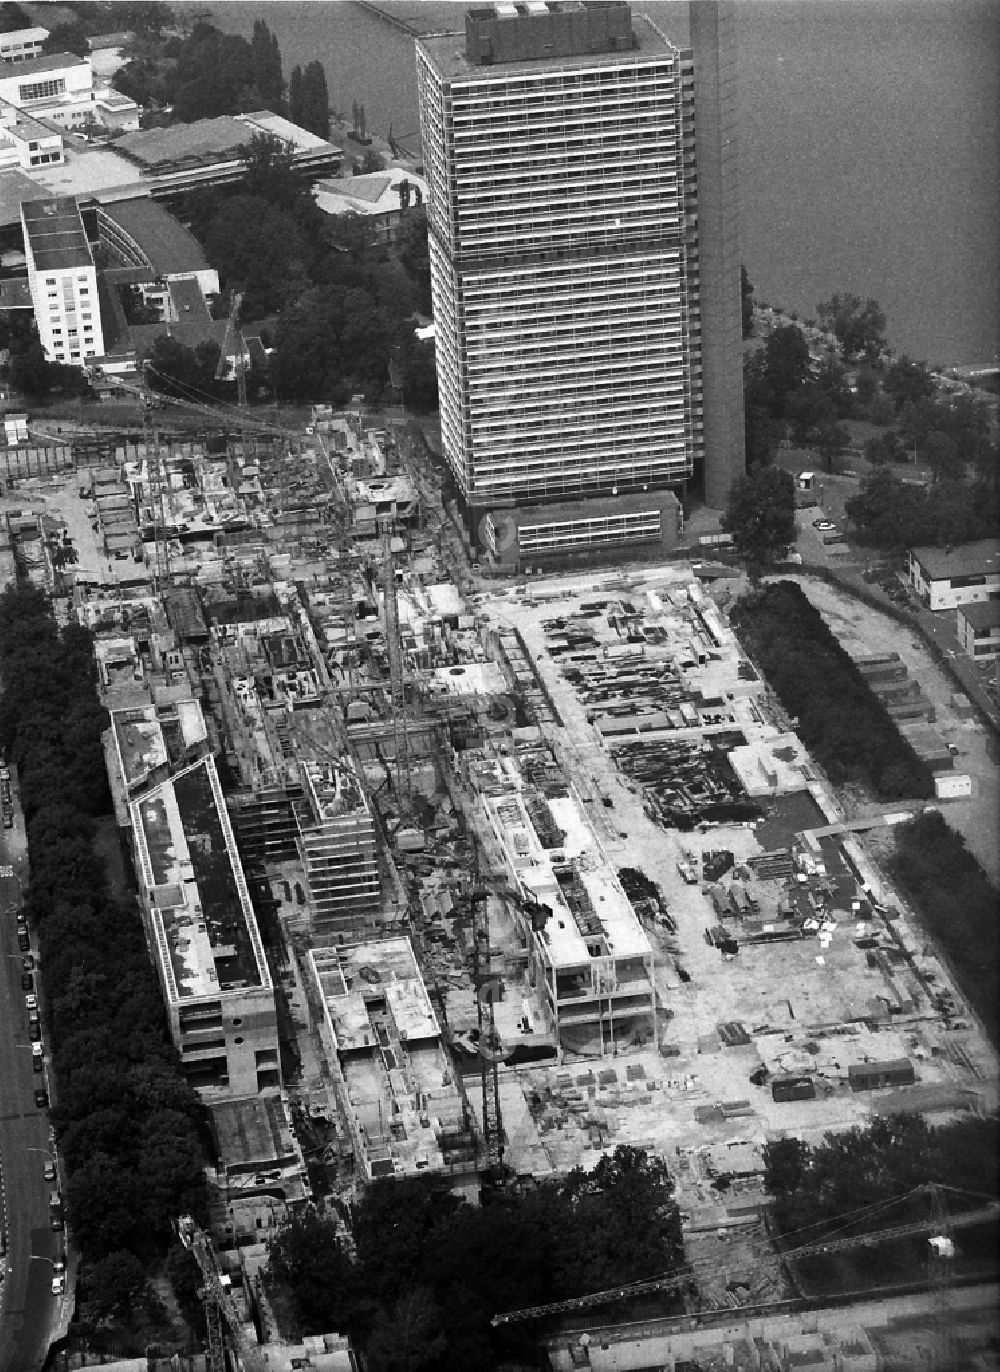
pixel 62 280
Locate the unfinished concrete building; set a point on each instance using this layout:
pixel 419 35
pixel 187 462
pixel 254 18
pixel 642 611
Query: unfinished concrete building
pixel 336 843
pixel 399 1094
pixel 589 959
pixel 203 936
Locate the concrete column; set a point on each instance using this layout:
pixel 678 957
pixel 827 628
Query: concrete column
pixel 713 41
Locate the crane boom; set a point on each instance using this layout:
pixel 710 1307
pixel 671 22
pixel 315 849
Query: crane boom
pixel 680 1276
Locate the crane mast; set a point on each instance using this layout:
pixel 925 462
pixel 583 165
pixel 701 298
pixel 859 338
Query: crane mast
pixel 486 985
pixel 221 1314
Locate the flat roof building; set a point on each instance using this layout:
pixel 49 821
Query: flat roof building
pixel 60 87
pixel 203 936
pixel 22 45
pixel 62 280
pixel 978 628
pixel 945 578
pixel 566 221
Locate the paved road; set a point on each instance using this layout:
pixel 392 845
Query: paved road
pixel 27 1306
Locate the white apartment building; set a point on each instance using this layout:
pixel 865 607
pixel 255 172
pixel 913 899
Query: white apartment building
pixel 62 280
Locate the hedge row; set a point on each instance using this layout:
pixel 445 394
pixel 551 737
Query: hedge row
pixel 842 723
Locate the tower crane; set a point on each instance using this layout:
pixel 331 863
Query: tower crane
pixel 937 1223
pixel 234 344
pixel 493 1172
pixel 394 648
pixel 221 1314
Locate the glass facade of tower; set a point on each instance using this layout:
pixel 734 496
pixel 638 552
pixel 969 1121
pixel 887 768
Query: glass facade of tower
pixel 564 267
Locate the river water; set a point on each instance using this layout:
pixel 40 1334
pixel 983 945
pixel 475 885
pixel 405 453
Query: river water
pixel 868 144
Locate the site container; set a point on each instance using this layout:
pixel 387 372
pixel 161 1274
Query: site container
pixel 793 1088
pixel 872 1076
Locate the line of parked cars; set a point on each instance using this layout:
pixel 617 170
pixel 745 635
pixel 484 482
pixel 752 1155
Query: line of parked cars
pixel 6 798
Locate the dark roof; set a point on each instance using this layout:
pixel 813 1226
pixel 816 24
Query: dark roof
pixel 966 559
pixel 189 302
pixel 982 614
pixel 190 334
pixel 167 245
pixel 109 40
pixel 15 294
pixel 53 61
pixel 56 234
pixel 207 140
pixel 447 52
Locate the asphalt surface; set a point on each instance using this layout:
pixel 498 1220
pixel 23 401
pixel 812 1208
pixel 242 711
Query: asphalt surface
pixel 27 1305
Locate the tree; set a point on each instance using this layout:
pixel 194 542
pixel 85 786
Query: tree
pixel 907 382
pixel 830 437
pixel 70 37
pixel 315 100
pixel 259 249
pixel 786 366
pixel 305 1256
pixel 269 171
pixel 860 329
pixel 266 58
pixel 116 1286
pixel 760 516
pixel 941 453
pixel 885 448
pixel 410 1339
pixel 746 297
pixel 178 370
pixel 295 95
pixel 30 371
pixel 13 17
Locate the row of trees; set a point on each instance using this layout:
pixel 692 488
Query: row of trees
pixel 26 367
pixel 814 1187
pixel 128 1124
pixel 429 1270
pixel 838 717
pixel 892 514
pixel 208 73
pixel 785 395
pixel 956 903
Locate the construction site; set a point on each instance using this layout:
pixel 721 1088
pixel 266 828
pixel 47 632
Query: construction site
pixel 515 871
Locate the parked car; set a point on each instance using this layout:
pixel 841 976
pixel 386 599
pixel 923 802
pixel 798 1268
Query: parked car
pixel 37 1059
pixel 31 1000
pixel 50 1171
pixel 41 1097
pixel 23 940
pixel 27 981
pixel 28 964
pixel 824 525
pixel 56 1221
pixel 34 1031
pixel 58 1285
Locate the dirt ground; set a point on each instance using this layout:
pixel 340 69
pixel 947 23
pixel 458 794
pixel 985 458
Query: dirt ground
pixel 863 630
pixel 780 992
